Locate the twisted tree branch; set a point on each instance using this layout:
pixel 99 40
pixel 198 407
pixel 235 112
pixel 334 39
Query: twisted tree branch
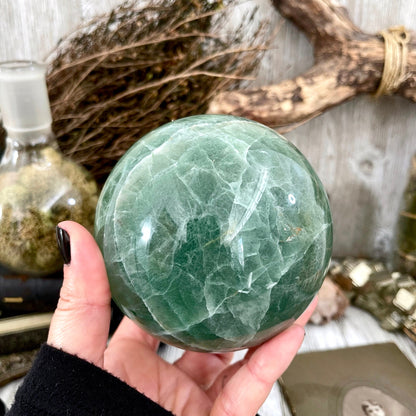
pixel 348 62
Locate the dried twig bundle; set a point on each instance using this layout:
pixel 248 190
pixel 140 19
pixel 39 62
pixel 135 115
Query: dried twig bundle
pixel 137 68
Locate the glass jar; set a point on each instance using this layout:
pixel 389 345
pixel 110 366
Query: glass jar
pixel 39 186
pixel 404 255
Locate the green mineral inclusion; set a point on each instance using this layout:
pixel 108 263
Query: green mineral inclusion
pixel 216 233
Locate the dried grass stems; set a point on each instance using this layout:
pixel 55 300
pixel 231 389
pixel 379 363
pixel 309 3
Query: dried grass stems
pixel 135 69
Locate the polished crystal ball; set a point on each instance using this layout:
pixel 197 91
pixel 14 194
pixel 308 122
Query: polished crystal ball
pixel 216 233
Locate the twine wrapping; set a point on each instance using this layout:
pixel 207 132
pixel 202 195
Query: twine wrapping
pixel 395 59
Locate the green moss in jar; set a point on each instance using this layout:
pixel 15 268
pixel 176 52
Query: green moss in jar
pixel 34 198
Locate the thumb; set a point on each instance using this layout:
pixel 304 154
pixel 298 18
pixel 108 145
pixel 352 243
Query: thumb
pixel 81 321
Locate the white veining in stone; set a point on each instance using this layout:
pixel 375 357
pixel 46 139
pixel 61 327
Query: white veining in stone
pixel 219 228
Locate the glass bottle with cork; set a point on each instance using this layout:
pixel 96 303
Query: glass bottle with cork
pixel 39 186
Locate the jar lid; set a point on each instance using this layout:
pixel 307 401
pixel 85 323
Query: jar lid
pixel 24 101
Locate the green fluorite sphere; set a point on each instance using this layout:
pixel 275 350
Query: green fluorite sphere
pixel 216 233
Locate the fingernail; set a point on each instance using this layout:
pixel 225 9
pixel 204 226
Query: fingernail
pixel 62 238
pixel 2 408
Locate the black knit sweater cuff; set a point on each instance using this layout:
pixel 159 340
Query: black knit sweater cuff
pixel 63 384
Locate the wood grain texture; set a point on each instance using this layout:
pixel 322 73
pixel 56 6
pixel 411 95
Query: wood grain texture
pixel 361 149
pixel 348 62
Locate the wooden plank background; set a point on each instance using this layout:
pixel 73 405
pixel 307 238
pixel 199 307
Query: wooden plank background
pixel 361 149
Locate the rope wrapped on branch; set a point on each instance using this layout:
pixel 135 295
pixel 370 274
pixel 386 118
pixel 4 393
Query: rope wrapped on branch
pixel 348 62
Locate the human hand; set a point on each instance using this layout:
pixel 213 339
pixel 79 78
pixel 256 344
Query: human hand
pixel 197 383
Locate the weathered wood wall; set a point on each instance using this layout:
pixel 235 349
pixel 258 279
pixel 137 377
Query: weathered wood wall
pixel 361 149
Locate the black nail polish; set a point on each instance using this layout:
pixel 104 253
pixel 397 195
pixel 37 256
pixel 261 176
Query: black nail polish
pixel 62 238
pixel 2 408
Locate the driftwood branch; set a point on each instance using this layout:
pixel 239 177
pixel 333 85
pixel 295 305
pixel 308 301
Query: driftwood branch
pixel 348 62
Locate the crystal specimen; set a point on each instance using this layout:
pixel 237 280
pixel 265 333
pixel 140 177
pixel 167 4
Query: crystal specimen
pixel 216 233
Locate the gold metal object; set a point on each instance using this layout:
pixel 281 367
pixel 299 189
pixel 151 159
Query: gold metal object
pixel 389 296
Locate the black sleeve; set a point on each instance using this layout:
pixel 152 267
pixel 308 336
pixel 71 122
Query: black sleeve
pixel 63 384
